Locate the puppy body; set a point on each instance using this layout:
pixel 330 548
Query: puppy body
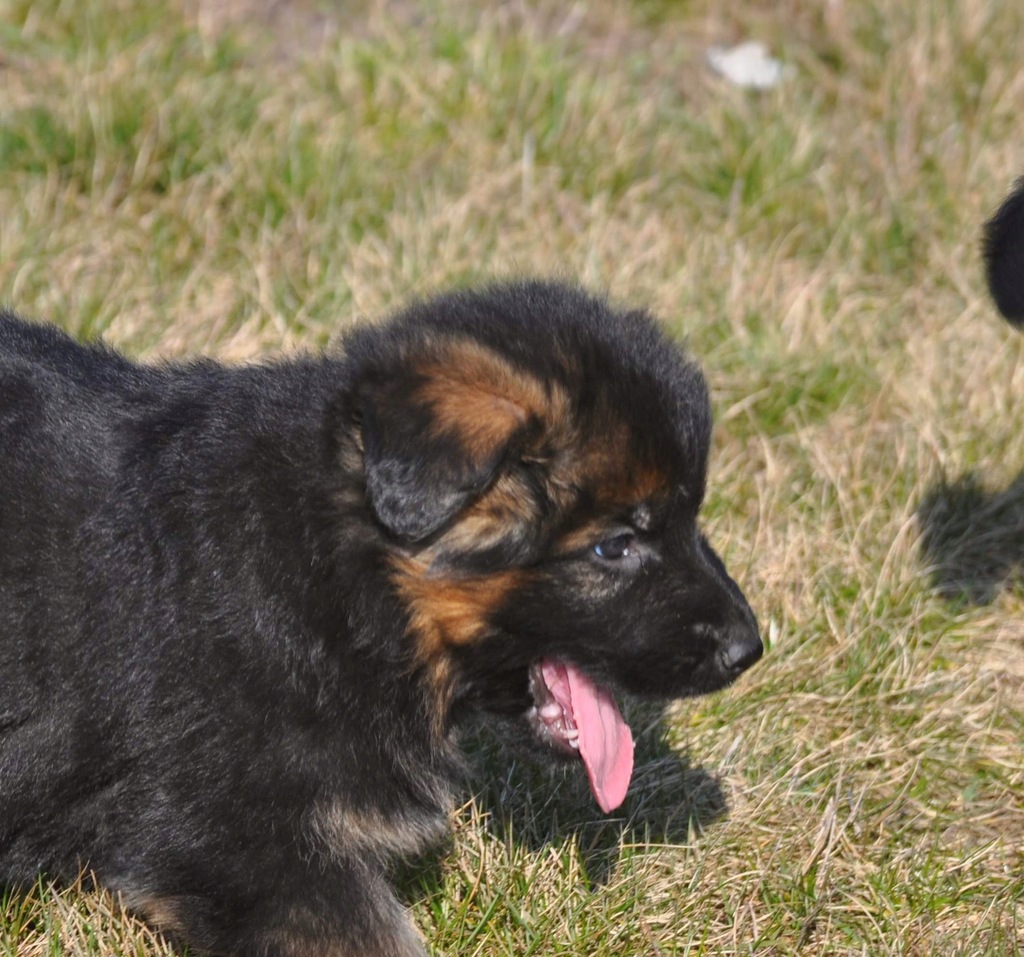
pixel 244 611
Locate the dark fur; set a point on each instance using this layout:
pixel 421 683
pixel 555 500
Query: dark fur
pixel 244 611
pixel 1003 250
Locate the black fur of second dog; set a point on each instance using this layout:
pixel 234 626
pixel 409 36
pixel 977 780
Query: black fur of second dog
pixel 201 643
pixel 1003 250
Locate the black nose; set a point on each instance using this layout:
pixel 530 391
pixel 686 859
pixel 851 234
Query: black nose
pixel 741 651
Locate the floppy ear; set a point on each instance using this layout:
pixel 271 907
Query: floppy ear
pixel 436 433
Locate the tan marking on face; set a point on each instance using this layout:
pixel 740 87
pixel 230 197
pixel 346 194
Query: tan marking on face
pixel 608 472
pixel 445 613
pixel 582 537
pixel 628 485
pixel 483 399
pixel 449 611
pixel 610 469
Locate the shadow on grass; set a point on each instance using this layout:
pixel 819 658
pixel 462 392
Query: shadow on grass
pixel 973 538
pixel 527 801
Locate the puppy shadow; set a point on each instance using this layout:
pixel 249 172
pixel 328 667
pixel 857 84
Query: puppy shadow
pixel 525 800
pixel 973 538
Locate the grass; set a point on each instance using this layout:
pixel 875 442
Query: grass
pixel 228 178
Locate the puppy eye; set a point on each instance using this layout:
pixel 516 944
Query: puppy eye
pixel 612 549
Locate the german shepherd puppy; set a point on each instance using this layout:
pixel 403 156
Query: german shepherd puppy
pixel 1003 250
pixel 245 611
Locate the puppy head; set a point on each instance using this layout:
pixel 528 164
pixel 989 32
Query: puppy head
pixel 1003 250
pixel 536 462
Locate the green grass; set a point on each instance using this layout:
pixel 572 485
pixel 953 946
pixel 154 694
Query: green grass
pixel 178 177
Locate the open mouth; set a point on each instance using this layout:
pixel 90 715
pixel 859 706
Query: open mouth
pixel 577 716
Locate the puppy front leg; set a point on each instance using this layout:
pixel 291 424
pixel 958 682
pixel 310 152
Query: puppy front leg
pixel 359 917
pixel 341 911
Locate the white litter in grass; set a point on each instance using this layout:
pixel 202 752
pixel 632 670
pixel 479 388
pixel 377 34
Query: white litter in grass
pixel 748 65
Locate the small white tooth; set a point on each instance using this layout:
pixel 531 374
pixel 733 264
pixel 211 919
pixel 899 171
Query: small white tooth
pixel 572 733
pixel 574 743
pixel 551 710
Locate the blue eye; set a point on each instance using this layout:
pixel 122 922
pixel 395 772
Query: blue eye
pixel 621 546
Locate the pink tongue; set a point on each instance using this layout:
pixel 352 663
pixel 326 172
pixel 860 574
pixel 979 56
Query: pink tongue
pixel 606 744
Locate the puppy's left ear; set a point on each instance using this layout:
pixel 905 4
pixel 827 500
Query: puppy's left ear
pixel 436 433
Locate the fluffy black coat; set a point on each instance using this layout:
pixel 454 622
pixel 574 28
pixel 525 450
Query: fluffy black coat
pixel 1003 250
